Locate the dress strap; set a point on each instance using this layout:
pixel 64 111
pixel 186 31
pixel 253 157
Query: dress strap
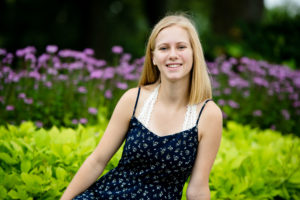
pixel 136 101
pixel 202 110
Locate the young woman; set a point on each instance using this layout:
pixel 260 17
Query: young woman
pixel 171 126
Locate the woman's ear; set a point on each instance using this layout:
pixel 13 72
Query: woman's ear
pixel 153 62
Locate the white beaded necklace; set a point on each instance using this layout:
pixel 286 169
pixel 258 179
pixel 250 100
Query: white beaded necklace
pixel 145 114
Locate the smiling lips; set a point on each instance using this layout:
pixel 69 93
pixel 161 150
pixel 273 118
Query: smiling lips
pixel 174 65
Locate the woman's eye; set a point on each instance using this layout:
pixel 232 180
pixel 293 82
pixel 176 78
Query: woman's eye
pixel 162 48
pixel 182 47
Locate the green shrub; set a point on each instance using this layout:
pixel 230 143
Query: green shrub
pixel 251 164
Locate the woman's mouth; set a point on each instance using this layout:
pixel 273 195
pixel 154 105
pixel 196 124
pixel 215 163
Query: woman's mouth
pixel 174 65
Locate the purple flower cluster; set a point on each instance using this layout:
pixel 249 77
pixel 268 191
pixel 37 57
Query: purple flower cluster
pixel 250 90
pixel 63 78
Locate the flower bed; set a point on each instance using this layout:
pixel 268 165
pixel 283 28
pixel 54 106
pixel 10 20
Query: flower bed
pixel 67 87
pixel 64 87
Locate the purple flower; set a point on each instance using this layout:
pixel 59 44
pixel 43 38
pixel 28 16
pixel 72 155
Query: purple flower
pixel 39 124
pixel 83 120
pixel 22 96
pixel 51 48
pixel 296 104
pixel 257 113
pixel 52 71
pixel 122 86
pixel 260 81
pixel 82 90
pixel 109 73
pixel 35 74
pixel 285 114
pixel 97 74
pixel 62 77
pixel 74 121
pixel 108 94
pixel 30 57
pixel 93 111
pixel 2 52
pixel 233 104
pixel 221 102
pixel 101 87
pixel 227 91
pixel 246 93
pixel 100 63
pixel 273 127
pixel 117 49
pixel 126 57
pixel 297 82
pixel 48 84
pixel 28 100
pixel 89 51
pixel 10 108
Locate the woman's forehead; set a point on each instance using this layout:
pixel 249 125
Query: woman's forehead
pixel 172 34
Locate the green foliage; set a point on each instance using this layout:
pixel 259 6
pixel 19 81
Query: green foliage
pixel 38 164
pixel 255 164
pixel 251 164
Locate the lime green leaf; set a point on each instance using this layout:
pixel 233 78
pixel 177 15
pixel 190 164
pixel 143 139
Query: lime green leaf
pixel 7 158
pixel 25 166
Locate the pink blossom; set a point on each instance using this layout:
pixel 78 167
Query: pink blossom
pixel 39 124
pixel 285 114
pixel 122 86
pixel 296 104
pixel 97 74
pixel 2 52
pixel 10 108
pixel 93 111
pixel 233 104
pixel 48 84
pixel 257 113
pixel 51 48
pixel 22 95
pixel 74 121
pixel 117 49
pixel 28 100
pixel 89 51
pixel 82 90
pixel 83 120
pixel 108 94
pixel 221 102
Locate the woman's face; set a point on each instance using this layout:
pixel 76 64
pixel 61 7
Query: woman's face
pixel 173 53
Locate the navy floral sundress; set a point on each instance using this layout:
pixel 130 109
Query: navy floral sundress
pixel 152 167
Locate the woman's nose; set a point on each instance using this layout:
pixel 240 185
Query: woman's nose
pixel 173 53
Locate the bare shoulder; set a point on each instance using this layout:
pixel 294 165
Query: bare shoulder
pixel 211 120
pixel 129 96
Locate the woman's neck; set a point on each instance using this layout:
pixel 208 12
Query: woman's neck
pixel 174 94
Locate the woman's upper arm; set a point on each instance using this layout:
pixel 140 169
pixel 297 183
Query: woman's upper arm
pixel 210 129
pixel 116 129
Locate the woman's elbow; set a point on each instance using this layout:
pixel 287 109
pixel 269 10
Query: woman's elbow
pixel 195 193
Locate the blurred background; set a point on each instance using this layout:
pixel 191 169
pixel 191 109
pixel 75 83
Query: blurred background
pixel 64 65
pixel 260 29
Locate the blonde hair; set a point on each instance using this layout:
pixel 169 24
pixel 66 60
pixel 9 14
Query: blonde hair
pixel 200 85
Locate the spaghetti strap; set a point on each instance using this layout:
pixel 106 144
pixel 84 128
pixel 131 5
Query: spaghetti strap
pixel 137 99
pixel 202 110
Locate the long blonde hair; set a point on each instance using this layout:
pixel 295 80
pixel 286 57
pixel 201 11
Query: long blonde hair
pixel 200 85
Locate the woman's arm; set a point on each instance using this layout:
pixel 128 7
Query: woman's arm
pixel 210 132
pixel 110 142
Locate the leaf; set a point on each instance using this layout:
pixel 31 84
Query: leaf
pixel 25 166
pixel 7 158
pixel 31 180
pixel 3 192
pixel 60 173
